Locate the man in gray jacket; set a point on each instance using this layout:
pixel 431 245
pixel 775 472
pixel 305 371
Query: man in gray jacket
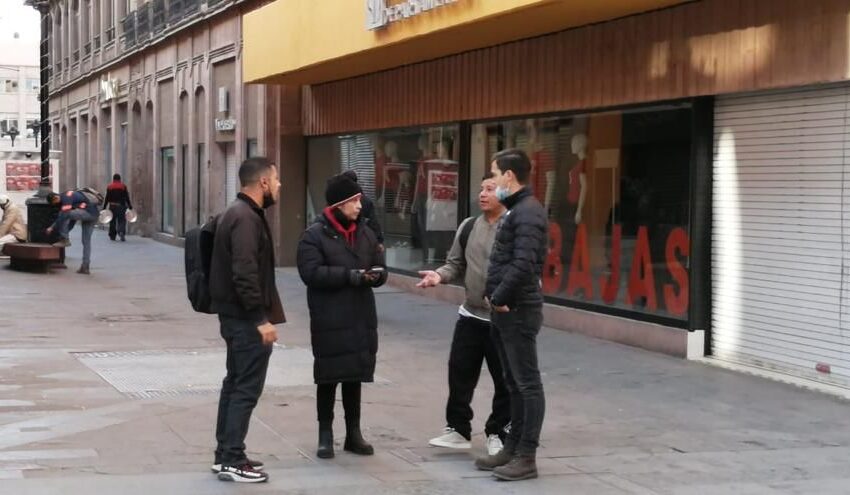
pixel 472 344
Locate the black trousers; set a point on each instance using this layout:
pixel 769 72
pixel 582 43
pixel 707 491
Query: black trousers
pixel 118 224
pixel 472 344
pixel 326 397
pixel 515 334
pixel 247 363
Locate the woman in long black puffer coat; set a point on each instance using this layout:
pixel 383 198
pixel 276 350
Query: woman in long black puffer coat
pixel 340 261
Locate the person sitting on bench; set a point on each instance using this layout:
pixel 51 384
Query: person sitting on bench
pixel 12 228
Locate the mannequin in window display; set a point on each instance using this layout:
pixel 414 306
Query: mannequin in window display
pixel 380 166
pixel 397 182
pixel 439 179
pixel 542 178
pixel 420 194
pixel 570 214
pixel 577 193
pixel 383 176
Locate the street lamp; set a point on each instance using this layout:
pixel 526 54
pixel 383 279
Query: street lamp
pixel 13 133
pixel 40 214
pixel 36 128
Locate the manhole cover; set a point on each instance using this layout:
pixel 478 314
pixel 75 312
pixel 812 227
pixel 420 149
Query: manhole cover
pixel 162 373
pixel 126 318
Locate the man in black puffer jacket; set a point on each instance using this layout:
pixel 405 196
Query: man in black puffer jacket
pixel 516 301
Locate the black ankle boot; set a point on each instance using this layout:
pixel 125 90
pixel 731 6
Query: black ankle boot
pixel 326 442
pixel 354 442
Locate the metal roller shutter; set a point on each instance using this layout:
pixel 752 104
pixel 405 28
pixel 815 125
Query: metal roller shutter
pixel 781 224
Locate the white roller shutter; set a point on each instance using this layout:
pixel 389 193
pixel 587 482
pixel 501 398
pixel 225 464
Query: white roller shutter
pixel 231 171
pixel 781 224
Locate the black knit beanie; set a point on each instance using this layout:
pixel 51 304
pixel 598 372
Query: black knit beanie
pixel 341 188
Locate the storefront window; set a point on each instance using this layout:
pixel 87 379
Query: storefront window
pixel 413 178
pixel 616 188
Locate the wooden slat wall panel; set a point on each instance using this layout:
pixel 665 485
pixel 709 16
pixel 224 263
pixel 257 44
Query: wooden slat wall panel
pixel 699 48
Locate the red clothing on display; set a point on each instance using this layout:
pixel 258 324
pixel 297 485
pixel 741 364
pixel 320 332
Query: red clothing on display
pixel 575 183
pixel 541 164
pixel 397 188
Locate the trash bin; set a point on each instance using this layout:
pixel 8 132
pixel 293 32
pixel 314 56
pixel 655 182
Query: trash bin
pixel 40 215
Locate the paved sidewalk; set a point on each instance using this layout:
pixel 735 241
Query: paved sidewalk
pixel 108 385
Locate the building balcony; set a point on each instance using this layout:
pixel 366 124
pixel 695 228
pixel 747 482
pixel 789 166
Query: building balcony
pixel 158 16
pixel 143 23
pixel 191 7
pixel 128 25
pixel 175 11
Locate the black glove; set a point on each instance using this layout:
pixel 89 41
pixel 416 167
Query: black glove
pixel 356 277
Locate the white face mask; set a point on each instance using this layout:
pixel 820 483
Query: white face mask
pixel 502 193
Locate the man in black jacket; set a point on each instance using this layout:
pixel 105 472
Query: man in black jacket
pixel 117 200
pixel 515 297
pixel 243 291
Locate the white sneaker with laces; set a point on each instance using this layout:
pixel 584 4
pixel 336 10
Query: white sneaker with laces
pixel 450 439
pixel 494 444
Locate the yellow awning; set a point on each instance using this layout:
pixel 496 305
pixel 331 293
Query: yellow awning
pixel 314 41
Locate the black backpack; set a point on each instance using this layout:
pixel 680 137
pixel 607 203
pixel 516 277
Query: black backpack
pixel 198 257
pixel 466 229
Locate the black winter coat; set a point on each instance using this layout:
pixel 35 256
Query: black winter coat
pixel 343 318
pixel 516 261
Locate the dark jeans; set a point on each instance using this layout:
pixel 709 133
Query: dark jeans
pixel 326 397
pixel 247 362
pixel 118 224
pixel 471 345
pixel 515 334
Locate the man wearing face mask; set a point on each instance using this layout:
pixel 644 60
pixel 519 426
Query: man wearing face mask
pixel 244 295
pixel 516 299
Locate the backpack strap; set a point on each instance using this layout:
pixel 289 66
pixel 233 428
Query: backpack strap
pixel 465 230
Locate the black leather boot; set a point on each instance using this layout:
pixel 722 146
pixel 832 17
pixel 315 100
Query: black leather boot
pixel 354 442
pixel 326 441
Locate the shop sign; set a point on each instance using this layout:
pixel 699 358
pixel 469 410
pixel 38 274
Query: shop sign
pixel 380 15
pixel 225 124
pixel 635 275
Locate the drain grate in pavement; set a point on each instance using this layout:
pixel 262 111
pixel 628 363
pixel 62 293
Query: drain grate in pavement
pixel 127 318
pixel 173 373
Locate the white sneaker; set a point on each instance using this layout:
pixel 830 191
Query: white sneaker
pixel 450 439
pixel 494 444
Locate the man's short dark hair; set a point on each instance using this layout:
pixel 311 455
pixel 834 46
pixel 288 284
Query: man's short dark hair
pixel 515 160
pixel 253 169
pixel 52 197
pixel 116 177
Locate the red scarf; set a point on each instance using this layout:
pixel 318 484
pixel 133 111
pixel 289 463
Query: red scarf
pixel 348 233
